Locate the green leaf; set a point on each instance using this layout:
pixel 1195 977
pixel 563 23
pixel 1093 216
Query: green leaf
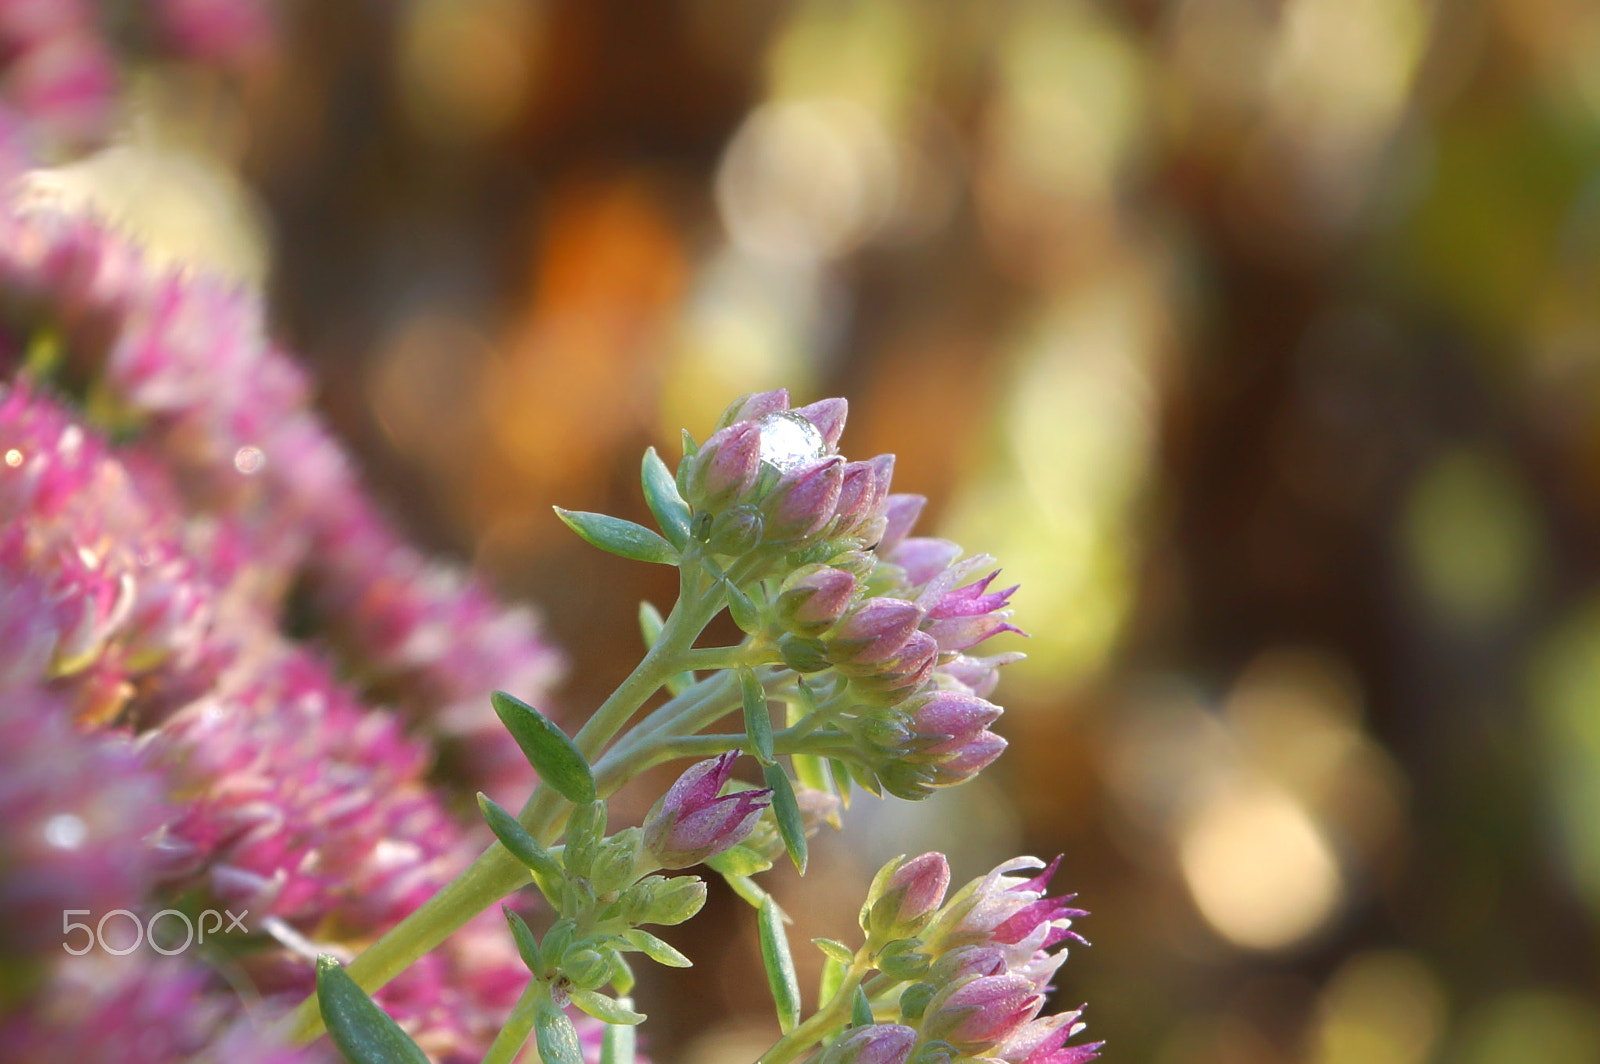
pixel 834 949
pixel 832 979
pixel 650 623
pixel 556 1037
pixel 364 1033
pixel 787 813
pixel 527 945
pixel 741 608
pixel 547 748
pixel 622 977
pixel 841 780
pixel 738 860
pixel 781 978
pixel 616 1043
pixel 523 846
pixel 607 1009
pixel 655 949
pixel 620 537
pixel 757 717
pixel 861 1009
pixel 812 771
pixel 661 495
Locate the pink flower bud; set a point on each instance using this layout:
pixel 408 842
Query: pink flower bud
pixel 803 501
pixel 873 631
pixel 725 466
pixel 924 557
pixel 692 821
pixel 983 1012
pixel 754 407
pixel 949 713
pixel 813 599
pixel 900 513
pixel 828 416
pixel 919 885
pixel 962 758
pixel 862 495
pixel 888 682
pixel 880 1043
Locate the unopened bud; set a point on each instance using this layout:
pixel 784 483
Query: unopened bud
pixel 803 501
pixel 736 531
pixel 909 897
pixel 725 466
pixel 878 1043
pixel 873 631
pixel 693 820
pixel 813 598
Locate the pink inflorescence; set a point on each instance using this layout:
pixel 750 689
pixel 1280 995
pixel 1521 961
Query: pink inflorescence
pixel 995 948
pixel 199 748
pixel 186 359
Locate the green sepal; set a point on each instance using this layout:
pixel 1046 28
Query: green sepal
pixel 527 945
pixel 547 748
pixel 666 504
pixel 557 1038
pixel 690 449
pixel 617 1043
pixel 835 949
pixel 861 1009
pixel 781 978
pixel 738 860
pixel 757 717
pixel 607 1009
pixel 364 1033
pixel 655 949
pixel 619 537
pixel 523 846
pixel 741 608
pixel 786 811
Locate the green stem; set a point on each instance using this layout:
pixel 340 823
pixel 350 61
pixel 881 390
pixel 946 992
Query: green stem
pixel 824 1020
pixel 785 741
pixel 514 1035
pixel 496 873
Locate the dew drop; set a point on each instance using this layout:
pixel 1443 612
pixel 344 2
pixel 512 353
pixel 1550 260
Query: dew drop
pixel 13 458
pixel 789 441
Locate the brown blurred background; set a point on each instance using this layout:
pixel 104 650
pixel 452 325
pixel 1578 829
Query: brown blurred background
pixel 1259 339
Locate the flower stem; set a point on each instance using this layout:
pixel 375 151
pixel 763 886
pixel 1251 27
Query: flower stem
pixel 824 1020
pixel 495 873
pixel 518 1026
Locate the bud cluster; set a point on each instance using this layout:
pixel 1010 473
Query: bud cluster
pixel 971 973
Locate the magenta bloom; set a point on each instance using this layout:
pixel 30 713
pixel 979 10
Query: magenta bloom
pixel 694 820
pixel 1042 1041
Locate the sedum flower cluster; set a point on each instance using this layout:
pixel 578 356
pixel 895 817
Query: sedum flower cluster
pixel 856 670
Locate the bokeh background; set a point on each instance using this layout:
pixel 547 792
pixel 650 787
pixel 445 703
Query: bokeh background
pixel 1259 339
